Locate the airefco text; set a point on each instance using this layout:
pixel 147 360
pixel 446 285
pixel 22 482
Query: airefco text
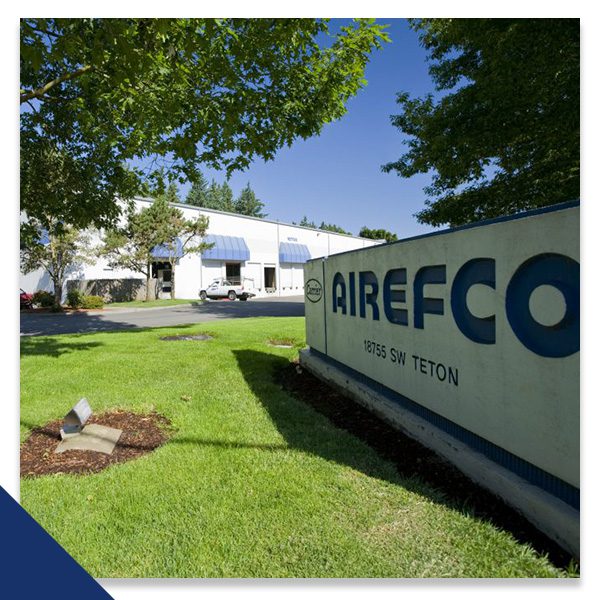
pixel 362 294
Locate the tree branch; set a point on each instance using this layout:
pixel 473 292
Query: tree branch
pixel 33 108
pixel 44 31
pixel 40 92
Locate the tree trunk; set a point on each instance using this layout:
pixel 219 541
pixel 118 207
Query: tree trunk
pixel 56 274
pixel 172 281
pixel 58 285
pixel 148 277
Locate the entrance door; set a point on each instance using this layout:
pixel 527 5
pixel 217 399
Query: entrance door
pixel 164 276
pixel 162 272
pixel 270 283
pixel 233 273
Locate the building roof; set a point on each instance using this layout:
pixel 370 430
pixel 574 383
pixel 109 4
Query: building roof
pixel 222 212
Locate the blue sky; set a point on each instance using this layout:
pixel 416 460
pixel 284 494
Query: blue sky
pixel 337 176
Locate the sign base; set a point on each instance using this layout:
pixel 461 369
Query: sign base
pixel 97 438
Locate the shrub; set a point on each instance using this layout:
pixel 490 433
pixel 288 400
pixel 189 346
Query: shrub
pixel 75 298
pixel 43 298
pixel 92 302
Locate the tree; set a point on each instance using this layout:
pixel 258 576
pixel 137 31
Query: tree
pixel 306 223
pixel 58 184
pixel 331 227
pixel 178 236
pixel 54 247
pixel 156 185
pixel 505 135
pixel 99 93
pixel 323 227
pixel 214 198
pixel 130 246
pixel 220 197
pixel 172 194
pixel 159 228
pixel 377 234
pixel 197 194
pixel 248 204
pixel 227 203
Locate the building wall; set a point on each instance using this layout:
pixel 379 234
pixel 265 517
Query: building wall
pixel 262 237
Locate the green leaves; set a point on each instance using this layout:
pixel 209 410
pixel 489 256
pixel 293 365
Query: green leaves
pixel 504 135
pixel 220 197
pixel 190 91
pixel 378 234
pixel 248 204
pixel 54 247
pixel 323 227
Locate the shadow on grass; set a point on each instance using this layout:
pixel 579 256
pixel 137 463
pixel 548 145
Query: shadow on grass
pixel 300 429
pixel 299 424
pixel 36 346
pixel 50 345
pixel 226 445
pixel 57 324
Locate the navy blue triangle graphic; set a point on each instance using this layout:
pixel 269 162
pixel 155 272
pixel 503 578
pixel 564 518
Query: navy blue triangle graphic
pixel 35 564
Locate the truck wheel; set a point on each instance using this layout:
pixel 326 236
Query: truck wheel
pixel 202 295
pixel 243 298
pixel 232 295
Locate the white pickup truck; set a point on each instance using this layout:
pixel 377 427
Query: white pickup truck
pixel 222 288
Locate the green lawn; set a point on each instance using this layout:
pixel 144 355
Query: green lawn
pixel 151 303
pixel 254 483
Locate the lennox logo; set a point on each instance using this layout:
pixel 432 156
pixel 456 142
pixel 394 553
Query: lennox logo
pixel 314 290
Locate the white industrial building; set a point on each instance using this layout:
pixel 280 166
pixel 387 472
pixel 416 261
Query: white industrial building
pixel 267 256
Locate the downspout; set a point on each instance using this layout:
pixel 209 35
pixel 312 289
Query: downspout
pixel 278 282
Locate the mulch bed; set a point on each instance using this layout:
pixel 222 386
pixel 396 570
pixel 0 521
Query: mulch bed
pixel 142 433
pixel 193 338
pixel 415 460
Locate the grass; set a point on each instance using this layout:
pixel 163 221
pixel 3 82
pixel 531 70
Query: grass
pixel 253 483
pixel 152 303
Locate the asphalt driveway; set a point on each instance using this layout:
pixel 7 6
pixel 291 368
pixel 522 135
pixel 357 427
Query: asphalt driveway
pixel 122 319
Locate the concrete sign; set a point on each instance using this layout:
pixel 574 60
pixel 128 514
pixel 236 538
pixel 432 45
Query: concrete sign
pixel 475 330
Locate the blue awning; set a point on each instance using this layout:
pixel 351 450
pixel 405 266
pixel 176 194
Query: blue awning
pixel 293 253
pixel 162 251
pixel 226 247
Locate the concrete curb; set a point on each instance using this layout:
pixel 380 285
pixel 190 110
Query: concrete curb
pixel 117 311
